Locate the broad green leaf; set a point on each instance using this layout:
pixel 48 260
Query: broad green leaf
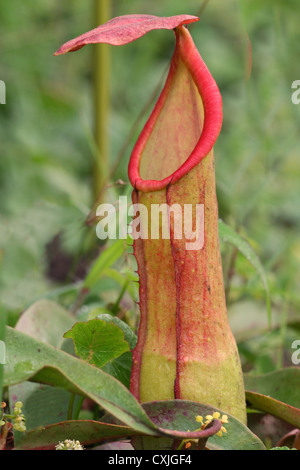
pixel 173 417
pixel 97 341
pixel 283 385
pixel 105 260
pixel 129 335
pixel 29 359
pixel 227 234
pixel 43 405
pixel 274 407
pixel 276 393
pixel 181 415
pixel 46 321
pixel 120 367
pixel 88 432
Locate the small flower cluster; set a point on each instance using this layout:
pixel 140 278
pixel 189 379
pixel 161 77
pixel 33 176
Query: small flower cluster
pixel 216 415
pixel 17 418
pixel 69 444
pixel 209 418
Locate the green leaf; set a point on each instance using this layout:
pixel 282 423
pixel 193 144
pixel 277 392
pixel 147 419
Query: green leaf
pixel 46 321
pixel 105 260
pixel 129 335
pixel 43 405
pixel 227 234
pixel 174 418
pixel 181 415
pixel 29 359
pixel 97 341
pixel 276 393
pixel 283 385
pixel 120 368
pixel 282 448
pixel 88 432
pixel 274 407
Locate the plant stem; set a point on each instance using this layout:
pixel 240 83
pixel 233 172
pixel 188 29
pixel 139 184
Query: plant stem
pixel 4 434
pixel 70 407
pixel 202 8
pixel 78 408
pixel 181 444
pixel 101 63
pixel 230 272
pixel 114 309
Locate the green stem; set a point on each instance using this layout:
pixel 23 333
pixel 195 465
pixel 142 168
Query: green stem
pixel 115 307
pixel 101 63
pixel 230 272
pixel 283 327
pixel 70 407
pixel 202 8
pixel 184 441
pixel 181 444
pixel 78 408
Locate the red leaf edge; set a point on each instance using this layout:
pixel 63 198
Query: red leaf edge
pixel 213 116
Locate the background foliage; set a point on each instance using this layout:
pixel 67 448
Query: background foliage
pixel 48 154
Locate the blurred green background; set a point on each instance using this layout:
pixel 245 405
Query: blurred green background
pixel 47 164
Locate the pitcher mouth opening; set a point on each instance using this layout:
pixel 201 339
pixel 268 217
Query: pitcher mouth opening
pixel 209 115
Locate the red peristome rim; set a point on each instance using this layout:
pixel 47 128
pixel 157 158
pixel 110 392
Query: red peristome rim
pixel 212 102
pixel 124 29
